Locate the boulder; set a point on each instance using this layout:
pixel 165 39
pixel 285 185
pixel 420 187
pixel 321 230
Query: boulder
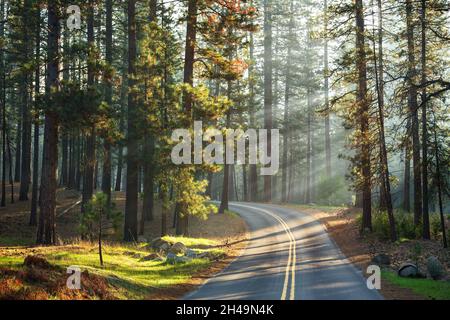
pixel 152 257
pixel 175 259
pixel 178 248
pixel 435 268
pixel 141 239
pixel 160 245
pixel 408 270
pixel 381 260
pixel 191 254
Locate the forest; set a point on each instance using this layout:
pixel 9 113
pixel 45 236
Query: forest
pixel 353 93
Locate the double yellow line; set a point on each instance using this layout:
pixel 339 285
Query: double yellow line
pixel 292 260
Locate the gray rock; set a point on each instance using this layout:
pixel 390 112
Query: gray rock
pixel 159 244
pixel 152 257
pixel 191 254
pixel 435 268
pixel 178 248
pixel 175 259
pixel 381 260
pixel 408 270
pixel 141 239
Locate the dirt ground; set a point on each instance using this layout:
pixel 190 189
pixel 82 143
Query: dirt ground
pixel 342 227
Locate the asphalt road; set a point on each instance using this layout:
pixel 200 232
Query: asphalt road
pixel 289 257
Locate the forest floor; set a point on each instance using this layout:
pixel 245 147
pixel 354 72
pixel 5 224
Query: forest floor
pixel 34 272
pixel 342 226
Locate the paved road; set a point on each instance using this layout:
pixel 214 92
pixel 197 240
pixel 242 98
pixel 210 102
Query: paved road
pixel 289 257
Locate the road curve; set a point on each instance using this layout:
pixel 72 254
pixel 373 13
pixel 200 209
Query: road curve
pixel 289 257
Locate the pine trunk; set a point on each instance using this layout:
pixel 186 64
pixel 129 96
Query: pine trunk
pixel 46 228
pixel 363 105
pixel 131 207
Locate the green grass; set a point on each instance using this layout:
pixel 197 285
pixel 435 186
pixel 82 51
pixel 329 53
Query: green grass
pixel 134 279
pixel 430 289
pixel 9 241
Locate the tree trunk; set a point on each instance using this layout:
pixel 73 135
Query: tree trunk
pixel 131 207
pixel 18 154
pixel 407 171
pixel 413 113
pixel 224 205
pixel 379 75
pixel 3 100
pixel 106 173
pixel 25 172
pixel 363 105
pixel 327 97
pixel 425 209
pixel 268 87
pixel 90 161
pixel 287 95
pixel 439 187
pixel 189 59
pixel 47 228
pixel 149 149
pixel 35 190
pixel 253 175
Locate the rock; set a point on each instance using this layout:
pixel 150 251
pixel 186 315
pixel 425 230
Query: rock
pixel 160 244
pixel 141 239
pixel 178 248
pixel 152 257
pixel 408 270
pixel 191 254
pixel 435 268
pixel 381 260
pixel 175 259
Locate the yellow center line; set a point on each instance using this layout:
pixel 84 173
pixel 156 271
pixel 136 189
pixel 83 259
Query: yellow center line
pixel 292 260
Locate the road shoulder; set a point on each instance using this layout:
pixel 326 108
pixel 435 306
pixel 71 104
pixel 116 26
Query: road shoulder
pixel 341 225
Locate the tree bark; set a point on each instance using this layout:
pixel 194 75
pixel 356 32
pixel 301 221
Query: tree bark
pixel 47 227
pixel 268 89
pixel 3 100
pixel 34 188
pixel 425 209
pixel 379 75
pixel 287 95
pixel 106 173
pixel 327 97
pixel 189 59
pixel 253 175
pixel 131 207
pixel 90 161
pixel 413 113
pixel 149 149
pixel 363 105
pixel 25 172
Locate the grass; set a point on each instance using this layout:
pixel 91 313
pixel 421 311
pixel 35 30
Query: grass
pixel 430 289
pixel 10 241
pixel 123 267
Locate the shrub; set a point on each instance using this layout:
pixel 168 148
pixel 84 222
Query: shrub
pixel 332 191
pixel 404 225
pixel 380 223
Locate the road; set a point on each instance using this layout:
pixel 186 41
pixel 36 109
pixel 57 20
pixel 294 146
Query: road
pixel 289 257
